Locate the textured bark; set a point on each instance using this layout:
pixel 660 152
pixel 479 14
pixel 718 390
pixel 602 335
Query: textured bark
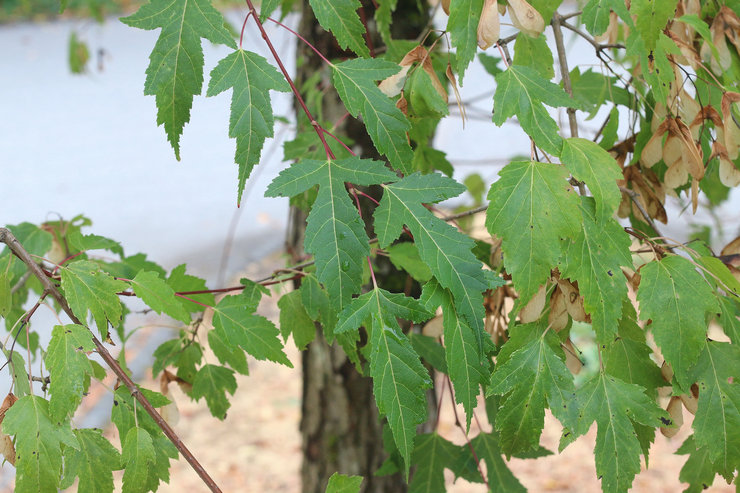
pixel 340 427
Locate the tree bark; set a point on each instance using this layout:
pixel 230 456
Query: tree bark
pixel 340 426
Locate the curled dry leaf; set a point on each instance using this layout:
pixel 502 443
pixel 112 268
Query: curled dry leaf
pixel 7 449
pixel 731 128
pixel 533 309
pixel 558 316
pixel 446 6
pixel 732 248
pixel 572 361
pixel 526 18
pixel 573 301
pixel 453 82
pixel 650 193
pixel 393 85
pixel 433 328
pixel 489 27
pixel 691 400
pixel 676 413
pixel 667 372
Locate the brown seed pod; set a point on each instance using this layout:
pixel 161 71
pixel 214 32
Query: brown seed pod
pixel 489 27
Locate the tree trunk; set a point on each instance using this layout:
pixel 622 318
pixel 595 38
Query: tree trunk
pixel 340 427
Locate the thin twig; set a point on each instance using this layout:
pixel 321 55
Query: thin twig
pixel 7 237
pixel 564 72
pixel 633 196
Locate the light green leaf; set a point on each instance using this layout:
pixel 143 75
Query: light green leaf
pixel 399 378
pixel 463 28
pixel 596 15
pixel 335 232
pixel 616 406
pixel 442 247
pixel 294 320
pixel 728 319
pixel 340 17
pixel 532 209
pixel 68 365
pixel 717 422
pixel 138 458
pixel 677 300
pixel 432 454
pixel 38 444
pixel 86 287
pixel 160 297
pixel 93 463
pixel 6 298
pixel 721 273
pixel 212 382
pixel 227 353
pixel 175 72
pixel 354 80
pixel 251 122
pixel 267 7
pixel 651 17
pixel 405 256
pixel 532 377
pixel 254 333
pixel 80 242
pixel 180 281
pixel 595 258
pixel 591 164
pixel 534 53
pixel 521 91
pixel 341 483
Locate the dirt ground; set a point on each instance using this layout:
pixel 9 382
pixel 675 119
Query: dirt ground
pixel 257 447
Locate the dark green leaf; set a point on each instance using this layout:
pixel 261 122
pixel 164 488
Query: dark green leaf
pixel 213 382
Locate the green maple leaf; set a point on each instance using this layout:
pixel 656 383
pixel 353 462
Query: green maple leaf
pixel 651 17
pixel 68 365
pixel 86 287
pixel 534 53
pixel 179 281
pixel 227 353
pixel 354 80
pixel 340 17
pixel 212 382
pixel 465 359
pixel 432 454
pixel 341 483
pixel 677 299
pixel 128 417
pixel 487 448
pixel 728 318
pixel 627 357
pixel 532 209
pixel 267 7
pixel 399 378
pixel 591 164
pixel 521 91
pixel 138 458
pixel 38 444
pixel 251 122
pixel 463 28
pixel 595 258
pixel 175 72
pixel 160 297
pixel 698 471
pixel 294 320
pixel 717 422
pixel 80 242
pixel 442 247
pixel 531 373
pixel 255 334
pixel 616 406
pixel 93 463
pixel 405 256
pixel 335 232
pixel 596 15
pixel 318 306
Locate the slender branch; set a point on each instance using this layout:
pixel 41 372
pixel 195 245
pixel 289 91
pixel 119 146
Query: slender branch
pixel 7 237
pixel 633 196
pixel 564 72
